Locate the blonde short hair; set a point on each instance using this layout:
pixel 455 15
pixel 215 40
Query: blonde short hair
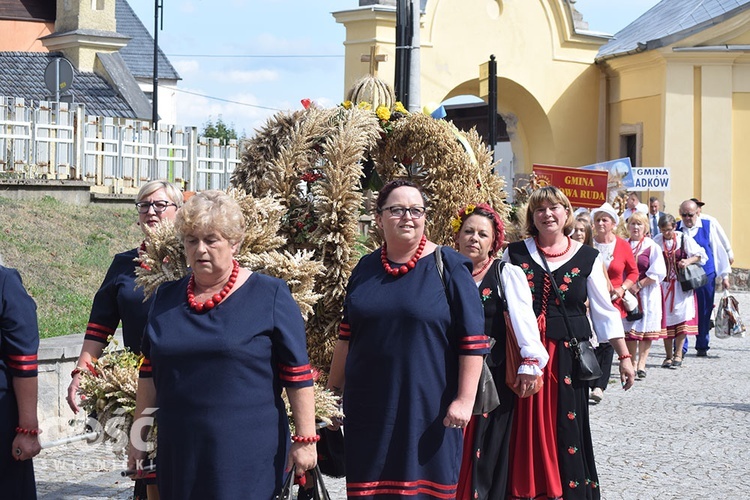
pixel 173 192
pixel 211 211
pixel 640 217
pixel 553 196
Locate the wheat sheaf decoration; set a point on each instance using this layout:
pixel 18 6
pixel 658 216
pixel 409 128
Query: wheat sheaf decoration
pixel 261 251
pixel 300 188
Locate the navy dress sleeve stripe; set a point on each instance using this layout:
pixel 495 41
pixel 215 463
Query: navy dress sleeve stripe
pixel 18 322
pixel 345 331
pixel 99 333
pixel 144 371
pixel 118 301
pixel 291 374
pixel 289 340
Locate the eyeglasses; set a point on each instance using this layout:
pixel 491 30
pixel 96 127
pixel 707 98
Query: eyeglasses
pixel 159 206
pixel 415 212
pixel 687 215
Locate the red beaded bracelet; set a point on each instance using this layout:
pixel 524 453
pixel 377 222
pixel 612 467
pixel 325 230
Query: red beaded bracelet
pixel 624 356
pixel 306 439
pixel 33 432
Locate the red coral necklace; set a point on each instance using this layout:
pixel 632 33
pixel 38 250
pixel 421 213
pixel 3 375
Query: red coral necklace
pixel 213 301
pixel 398 271
pixel 485 266
pixel 554 255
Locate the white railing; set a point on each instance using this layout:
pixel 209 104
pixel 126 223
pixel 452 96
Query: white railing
pixel 59 141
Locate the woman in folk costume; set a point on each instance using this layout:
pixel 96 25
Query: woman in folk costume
pixel 479 234
pixel 622 272
pixel 551 449
pixel 680 315
pixel 648 256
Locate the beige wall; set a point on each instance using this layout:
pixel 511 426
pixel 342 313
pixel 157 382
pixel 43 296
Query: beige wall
pixel 740 178
pixel 23 36
pixel 695 111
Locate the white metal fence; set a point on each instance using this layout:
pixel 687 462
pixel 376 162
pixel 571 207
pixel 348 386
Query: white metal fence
pixel 59 141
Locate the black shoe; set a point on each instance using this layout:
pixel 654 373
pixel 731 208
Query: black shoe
pixel 702 353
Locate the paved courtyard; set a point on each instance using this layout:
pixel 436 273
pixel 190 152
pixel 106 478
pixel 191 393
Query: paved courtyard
pixel 678 434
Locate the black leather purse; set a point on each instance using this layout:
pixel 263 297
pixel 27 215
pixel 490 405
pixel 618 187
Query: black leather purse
pixel 583 352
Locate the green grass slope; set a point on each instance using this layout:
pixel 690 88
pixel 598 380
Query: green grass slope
pixel 62 252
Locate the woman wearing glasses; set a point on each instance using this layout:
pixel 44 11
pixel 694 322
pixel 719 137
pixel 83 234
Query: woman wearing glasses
pixel 117 300
pixel 408 358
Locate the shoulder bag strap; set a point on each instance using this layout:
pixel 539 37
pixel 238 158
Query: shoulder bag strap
pixel 439 265
pixel 501 288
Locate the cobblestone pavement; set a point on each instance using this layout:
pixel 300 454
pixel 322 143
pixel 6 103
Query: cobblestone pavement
pixel 678 434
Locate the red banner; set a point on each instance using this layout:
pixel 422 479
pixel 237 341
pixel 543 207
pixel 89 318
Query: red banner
pixel 584 188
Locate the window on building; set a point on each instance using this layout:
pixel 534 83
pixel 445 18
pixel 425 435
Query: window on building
pixel 631 143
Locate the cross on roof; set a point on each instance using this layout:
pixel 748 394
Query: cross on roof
pixel 374 59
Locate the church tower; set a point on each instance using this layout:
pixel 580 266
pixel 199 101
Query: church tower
pixel 84 28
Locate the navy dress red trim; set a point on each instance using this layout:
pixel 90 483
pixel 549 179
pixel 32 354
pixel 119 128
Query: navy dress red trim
pixel 118 300
pixel 402 373
pixel 19 343
pixel 223 432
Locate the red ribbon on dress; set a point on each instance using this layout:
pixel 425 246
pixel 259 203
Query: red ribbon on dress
pixel 541 320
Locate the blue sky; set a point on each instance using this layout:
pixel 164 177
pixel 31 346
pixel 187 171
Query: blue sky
pixel 278 29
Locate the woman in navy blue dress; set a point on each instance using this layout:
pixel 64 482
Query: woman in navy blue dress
pixel 19 426
pixel 219 347
pixel 117 300
pixel 408 358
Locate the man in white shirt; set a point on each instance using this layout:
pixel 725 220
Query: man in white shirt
pixel 654 214
pixel 705 234
pixel 633 204
pixel 719 230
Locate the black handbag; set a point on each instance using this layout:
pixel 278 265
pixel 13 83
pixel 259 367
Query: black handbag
pixel 691 276
pixel 487 397
pixel 583 352
pixel 286 489
pixel 588 365
pixel 317 492
pixel 331 454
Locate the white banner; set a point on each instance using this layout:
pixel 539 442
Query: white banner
pixel 650 179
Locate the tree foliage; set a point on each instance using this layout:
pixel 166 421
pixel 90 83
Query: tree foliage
pixel 219 130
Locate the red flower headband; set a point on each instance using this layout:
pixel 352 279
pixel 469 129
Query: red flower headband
pixel 484 210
